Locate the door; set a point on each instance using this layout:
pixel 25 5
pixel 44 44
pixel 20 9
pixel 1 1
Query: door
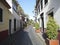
pixel 14 24
pixel 10 27
pixel 42 18
pixel 43 24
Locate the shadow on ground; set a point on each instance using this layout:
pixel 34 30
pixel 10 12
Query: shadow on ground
pixel 19 38
pixel 45 38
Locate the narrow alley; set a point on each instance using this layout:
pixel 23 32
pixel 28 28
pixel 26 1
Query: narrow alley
pixel 25 37
pixel 29 22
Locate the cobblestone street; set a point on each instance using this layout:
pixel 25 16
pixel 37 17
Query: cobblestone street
pixel 25 37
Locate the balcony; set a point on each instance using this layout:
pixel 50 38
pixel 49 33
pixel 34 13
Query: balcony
pixel 15 6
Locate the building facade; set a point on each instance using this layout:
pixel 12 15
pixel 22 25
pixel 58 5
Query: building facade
pixel 4 19
pixel 45 8
pixel 15 17
pixel 9 18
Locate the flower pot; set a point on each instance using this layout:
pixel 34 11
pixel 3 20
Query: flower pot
pixel 37 31
pixel 53 42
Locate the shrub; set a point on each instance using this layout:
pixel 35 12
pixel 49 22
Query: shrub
pixel 36 25
pixel 52 28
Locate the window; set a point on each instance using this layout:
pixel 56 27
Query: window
pixel 1 15
pixel 41 4
pixel 38 8
pixel 46 1
pixel 51 14
pixel 14 6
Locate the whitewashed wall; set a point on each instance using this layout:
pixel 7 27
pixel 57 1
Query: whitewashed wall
pixel 14 16
pixel 52 5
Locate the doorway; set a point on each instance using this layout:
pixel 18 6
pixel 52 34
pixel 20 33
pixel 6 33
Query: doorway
pixel 10 26
pixel 42 19
pixel 14 24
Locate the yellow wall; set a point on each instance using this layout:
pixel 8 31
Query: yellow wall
pixel 6 16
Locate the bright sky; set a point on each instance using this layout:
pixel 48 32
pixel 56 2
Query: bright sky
pixel 28 6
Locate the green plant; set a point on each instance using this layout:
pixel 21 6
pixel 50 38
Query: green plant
pixel 36 25
pixel 52 28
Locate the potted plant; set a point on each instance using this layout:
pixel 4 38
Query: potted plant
pixel 36 25
pixel 52 31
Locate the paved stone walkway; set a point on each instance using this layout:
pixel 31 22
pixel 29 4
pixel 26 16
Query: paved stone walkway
pixel 25 37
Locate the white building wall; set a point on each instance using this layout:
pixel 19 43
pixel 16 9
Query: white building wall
pixel 52 5
pixel 14 16
pixel 57 16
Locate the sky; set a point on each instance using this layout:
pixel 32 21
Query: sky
pixel 28 7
